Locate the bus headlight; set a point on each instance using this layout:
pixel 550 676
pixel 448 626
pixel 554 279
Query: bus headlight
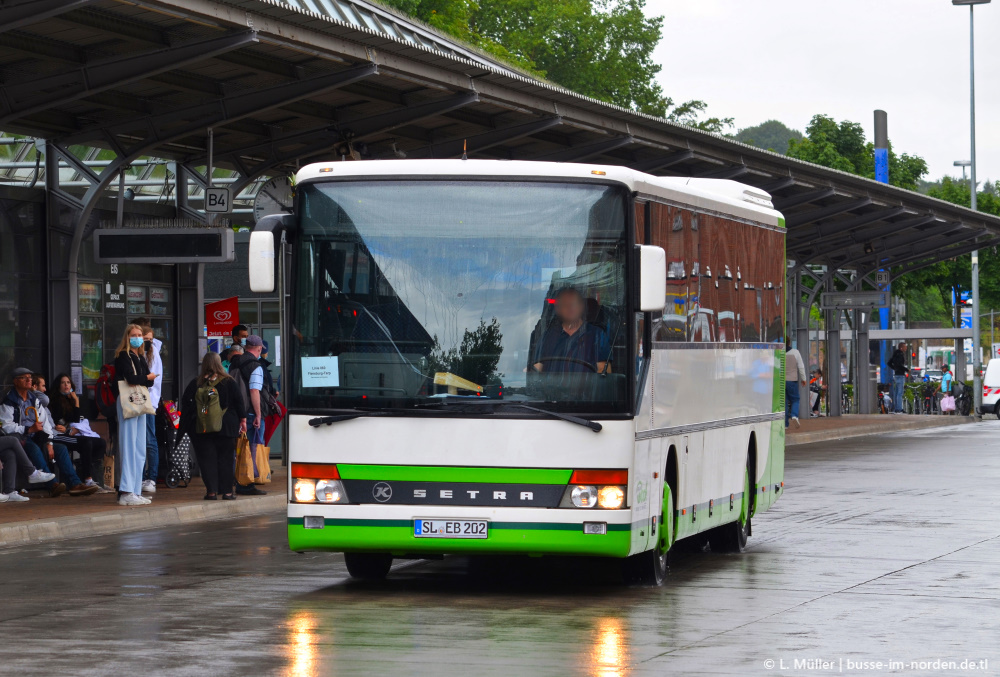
pixel 584 496
pixel 610 498
pixel 305 491
pixel 330 491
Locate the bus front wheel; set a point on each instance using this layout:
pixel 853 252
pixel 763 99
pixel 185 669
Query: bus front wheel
pixel 650 567
pixel 367 566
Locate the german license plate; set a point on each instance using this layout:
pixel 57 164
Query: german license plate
pixel 450 528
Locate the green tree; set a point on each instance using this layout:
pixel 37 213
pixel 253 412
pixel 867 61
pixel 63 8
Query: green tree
pixel 769 135
pixel 599 48
pixel 475 358
pixel 843 146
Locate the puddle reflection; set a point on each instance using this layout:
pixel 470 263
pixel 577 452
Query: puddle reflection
pixel 610 653
pixel 301 645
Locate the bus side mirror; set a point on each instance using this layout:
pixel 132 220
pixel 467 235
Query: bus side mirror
pixel 652 278
pixel 261 261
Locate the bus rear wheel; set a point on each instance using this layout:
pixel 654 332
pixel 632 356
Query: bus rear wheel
pixel 367 566
pixel 732 537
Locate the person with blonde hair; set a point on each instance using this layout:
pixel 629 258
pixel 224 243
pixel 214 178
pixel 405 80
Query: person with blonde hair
pixel 213 415
pixel 131 367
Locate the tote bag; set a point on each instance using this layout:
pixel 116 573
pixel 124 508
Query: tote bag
pixel 134 399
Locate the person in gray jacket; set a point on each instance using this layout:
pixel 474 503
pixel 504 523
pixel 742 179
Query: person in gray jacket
pixel 795 375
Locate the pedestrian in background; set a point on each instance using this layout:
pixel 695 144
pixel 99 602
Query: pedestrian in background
pixel 131 367
pixel 795 375
pixel 213 414
pixel 899 373
pixel 151 349
pixel 251 373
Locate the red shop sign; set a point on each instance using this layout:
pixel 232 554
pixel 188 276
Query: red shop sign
pixel 222 316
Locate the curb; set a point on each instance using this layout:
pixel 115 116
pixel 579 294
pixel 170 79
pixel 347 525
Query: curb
pixel 797 439
pixel 135 519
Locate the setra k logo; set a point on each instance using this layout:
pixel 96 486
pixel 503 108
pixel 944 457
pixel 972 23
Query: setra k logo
pixel 382 492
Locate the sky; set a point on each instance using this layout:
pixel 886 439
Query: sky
pixel 790 59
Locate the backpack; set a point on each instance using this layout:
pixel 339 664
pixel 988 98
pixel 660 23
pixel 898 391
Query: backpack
pixel 208 408
pixel 104 392
pixel 241 369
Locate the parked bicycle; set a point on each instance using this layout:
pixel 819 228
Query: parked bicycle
pixel 963 400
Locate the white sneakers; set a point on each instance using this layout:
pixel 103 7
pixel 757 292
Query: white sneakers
pixel 38 477
pixel 149 486
pixel 795 420
pixel 13 497
pixel 132 499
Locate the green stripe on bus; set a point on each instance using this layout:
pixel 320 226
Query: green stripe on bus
pixel 524 526
pixel 400 541
pixel 416 473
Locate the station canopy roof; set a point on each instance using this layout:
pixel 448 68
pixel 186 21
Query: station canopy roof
pixel 283 83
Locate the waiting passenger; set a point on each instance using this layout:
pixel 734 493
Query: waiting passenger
pixel 571 344
pixel 73 430
pixel 14 461
pixel 22 414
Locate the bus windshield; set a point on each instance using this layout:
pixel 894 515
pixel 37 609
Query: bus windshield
pixel 411 292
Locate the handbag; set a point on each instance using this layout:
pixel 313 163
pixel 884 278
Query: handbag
pixel 134 399
pixel 263 456
pixel 244 461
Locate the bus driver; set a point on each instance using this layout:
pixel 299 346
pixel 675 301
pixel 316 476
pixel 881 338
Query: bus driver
pixel 571 344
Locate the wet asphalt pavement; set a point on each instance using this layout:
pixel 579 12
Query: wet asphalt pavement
pixel 882 549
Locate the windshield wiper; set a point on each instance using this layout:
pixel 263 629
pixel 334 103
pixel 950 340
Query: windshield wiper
pixel 336 418
pixel 593 425
pixel 477 401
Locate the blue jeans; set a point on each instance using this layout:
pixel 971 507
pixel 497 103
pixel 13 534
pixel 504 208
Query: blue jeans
pixel 67 473
pixel 898 385
pixel 791 401
pixel 152 450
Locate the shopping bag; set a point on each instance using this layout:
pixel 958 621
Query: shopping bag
pixel 948 403
pixel 134 400
pixel 109 472
pixel 244 461
pixel 263 456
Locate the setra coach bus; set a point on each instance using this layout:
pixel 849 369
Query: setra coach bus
pixel 502 357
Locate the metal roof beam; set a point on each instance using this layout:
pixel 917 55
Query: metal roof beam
pixel 913 249
pixel 803 198
pixel 39 46
pixel 481 142
pixel 919 264
pixel 777 184
pixel 357 128
pixel 586 151
pixel 831 232
pixel 725 173
pixel 14 15
pixel 889 246
pixel 94 78
pixel 814 215
pixel 930 258
pixel 118 25
pixel 162 127
pixel 662 162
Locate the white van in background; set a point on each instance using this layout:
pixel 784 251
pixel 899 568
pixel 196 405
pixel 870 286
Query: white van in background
pixel 991 387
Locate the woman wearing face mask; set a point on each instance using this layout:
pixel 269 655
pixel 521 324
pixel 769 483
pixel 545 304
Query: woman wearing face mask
pixel 151 348
pixel 64 405
pixel 131 366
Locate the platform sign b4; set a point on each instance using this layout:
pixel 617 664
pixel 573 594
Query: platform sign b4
pixel 217 200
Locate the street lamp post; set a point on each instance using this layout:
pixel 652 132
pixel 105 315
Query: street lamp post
pixel 963 164
pixel 977 387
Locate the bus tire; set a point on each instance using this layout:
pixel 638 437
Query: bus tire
pixel 367 566
pixel 732 537
pixel 650 568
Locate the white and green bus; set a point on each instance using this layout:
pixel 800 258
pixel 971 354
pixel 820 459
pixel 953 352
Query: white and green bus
pixel 489 357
